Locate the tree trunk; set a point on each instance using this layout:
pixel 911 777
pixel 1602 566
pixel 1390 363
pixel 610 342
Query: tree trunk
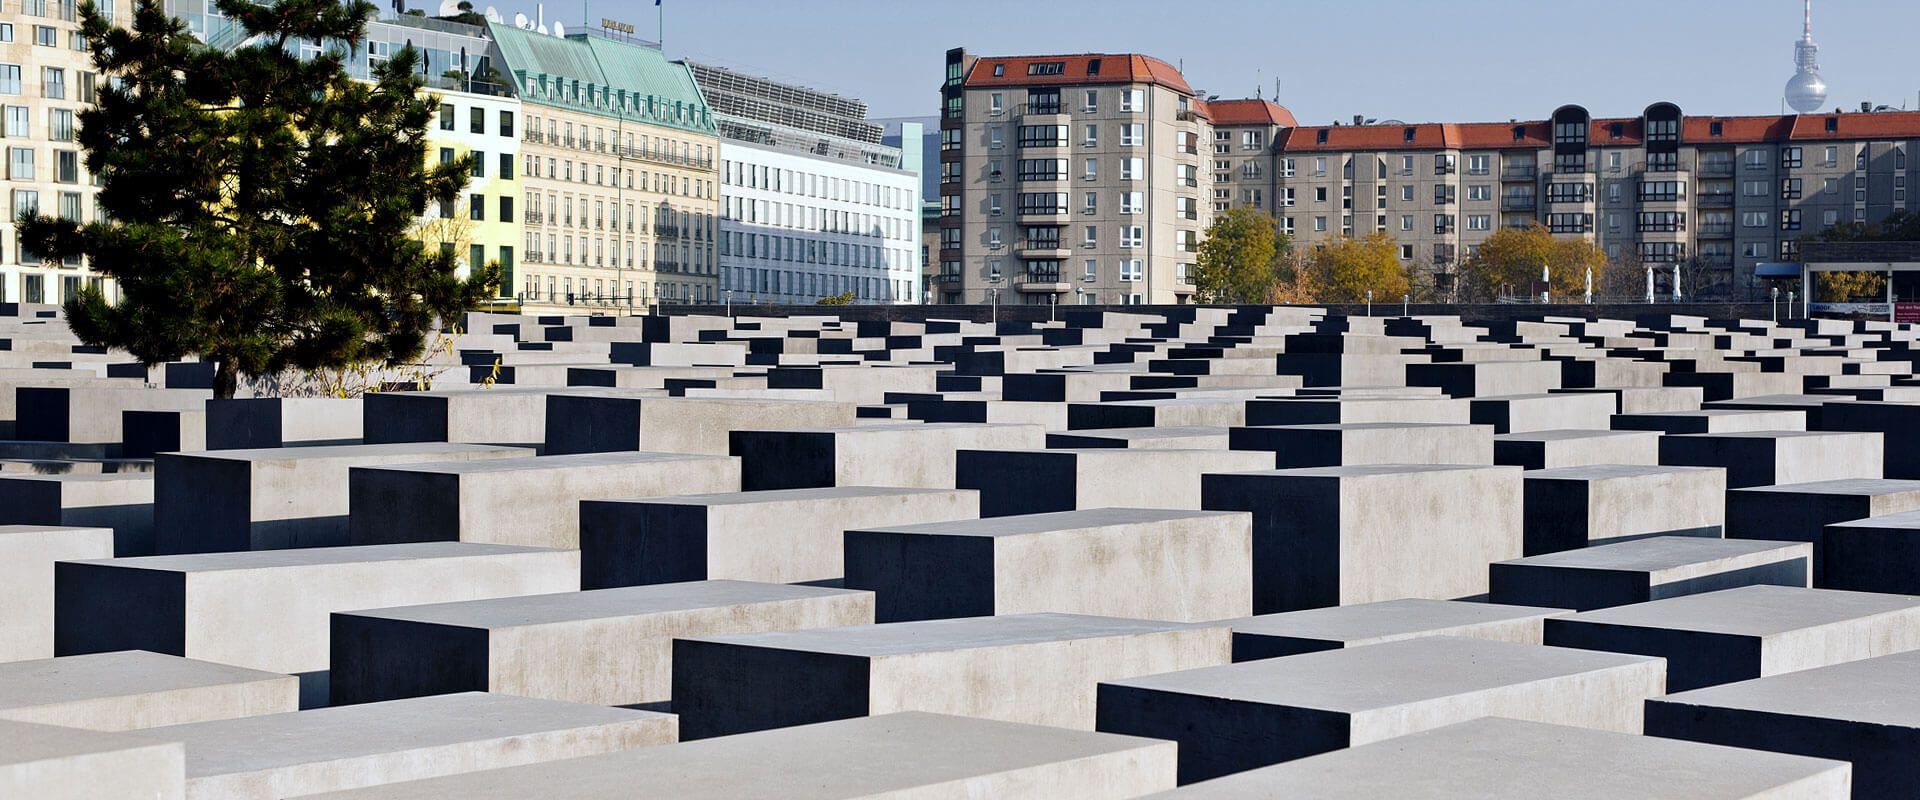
pixel 225 381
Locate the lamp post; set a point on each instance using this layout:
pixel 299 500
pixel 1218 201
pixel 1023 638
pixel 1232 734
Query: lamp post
pixel 1773 304
pixel 1546 283
pixel 1406 301
pixel 1649 283
pixel 1676 281
pixel 1369 302
pixel 729 303
pixel 1589 295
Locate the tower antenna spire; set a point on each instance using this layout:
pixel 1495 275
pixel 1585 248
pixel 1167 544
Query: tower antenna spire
pixel 1806 28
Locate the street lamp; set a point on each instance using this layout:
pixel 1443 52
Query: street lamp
pixel 1773 305
pixel 729 294
pixel 1546 282
pixel 1369 302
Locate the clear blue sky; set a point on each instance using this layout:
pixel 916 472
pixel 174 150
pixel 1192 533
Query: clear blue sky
pixel 1417 61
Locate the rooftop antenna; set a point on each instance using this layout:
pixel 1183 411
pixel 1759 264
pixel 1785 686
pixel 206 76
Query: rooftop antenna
pixel 1259 79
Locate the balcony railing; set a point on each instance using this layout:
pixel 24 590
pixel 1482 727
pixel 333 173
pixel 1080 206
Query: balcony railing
pixel 1034 109
pixel 947 277
pixel 1519 203
pixel 535 218
pixel 1716 169
pixel 659 156
pixel 1716 229
pixel 1715 200
pixel 1519 172
pixel 666 231
pixel 1039 277
pixel 666 265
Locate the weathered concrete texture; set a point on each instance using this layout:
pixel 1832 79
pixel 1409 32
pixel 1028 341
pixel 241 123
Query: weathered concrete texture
pixel 533 502
pixel 1186 411
pixel 1178 438
pixel 495 415
pixel 906 755
pixel 46 762
pixel 606 647
pixel 1254 713
pixel 1331 410
pixel 1878 554
pixel 122 501
pixel 308 752
pixel 1494 757
pixel 271 498
pixel 1899 421
pixel 1359 443
pixel 1864 712
pixel 779 536
pixel 1040 481
pixel 1326 536
pixel 1749 632
pixel 269 610
pixel 1648 399
pixel 1576 507
pixel 133 689
pixel 601 422
pixel 1184 566
pixel 89 414
pixel 1765 457
pixel 910 454
pixel 1552 449
pixel 1647 569
pixel 1800 512
pixel 146 433
pixel 27 557
pixel 1313 630
pixel 1487 378
pixel 1713 420
pixel 1031 668
pixel 247 423
pixel 1522 413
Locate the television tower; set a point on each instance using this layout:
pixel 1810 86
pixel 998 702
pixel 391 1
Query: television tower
pixel 1806 91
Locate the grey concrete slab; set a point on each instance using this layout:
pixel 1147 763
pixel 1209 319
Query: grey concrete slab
pixel 1295 632
pixel 1308 410
pixel 1357 443
pixel 1326 536
pixel 248 423
pixel 1183 566
pixel 1254 713
pixel 269 610
pixel 606 647
pixel 1899 422
pixel 1877 554
pixel 1758 458
pixel 1014 481
pixel 1863 712
pixel 599 422
pixel 1629 399
pixel 906 755
pixel 1800 512
pixel 1748 632
pixel 270 498
pixel 1551 449
pixel 1030 668
pixel 120 500
pixel 1201 437
pixel 1574 507
pixel 82 414
pixel 27 557
pixel 911 454
pixel 1647 569
pixel 1487 378
pixel 1713 420
pixel 329 749
pixel 523 501
pixel 1521 413
pixel 492 415
pixel 47 762
pixel 781 536
pixel 132 689
pixel 1494 757
pixel 146 433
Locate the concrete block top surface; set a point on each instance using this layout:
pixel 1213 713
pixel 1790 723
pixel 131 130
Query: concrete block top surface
pixel 316 556
pixel 1496 757
pixel 1370 426
pixel 541 463
pixel 1899 521
pixel 1030 524
pixel 795 496
pixel 1387 620
pixel 542 609
pixel 321 735
pixel 1846 487
pixel 84 477
pixel 28 742
pixel 1877 691
pixel 884 756
pixel 1570 434
pixel 1169 432
pixel 426 451
pixel 1377 676
pixel 1773 434
pixel 1754 610
pixel 1376 470
pixel 1601 472
pixel 48 681
pixel 1672 557
pixel 24 531
pixel 944 635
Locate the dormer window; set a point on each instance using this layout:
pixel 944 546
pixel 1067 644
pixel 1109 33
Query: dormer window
pixel 1833 124
pixel 1615 130
pixel 1407 135
pixel 1093 66
pixel 1320 137
pixel 1716 128
pixel 999 70
pixel 1519 132
pixel 1047 68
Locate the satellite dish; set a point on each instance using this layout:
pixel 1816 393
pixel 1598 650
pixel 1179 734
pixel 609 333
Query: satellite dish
pixel 542 28
pixel 559 29
pixel 520 21
pixel 449 8
pixel 493 14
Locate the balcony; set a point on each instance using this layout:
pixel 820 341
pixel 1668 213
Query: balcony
pixel 535 218
pixel 1187 116
pixel 1519 172
pixel 666 231
pixel 1519 202
pixel 1719 230
pixel 947 277
pixel 1049 282
pixel 659 156
pixel 1716 169
pixel 1715 200
pixel 1038 109
pixel 1717 260
pixel 534 136
pixel 665 265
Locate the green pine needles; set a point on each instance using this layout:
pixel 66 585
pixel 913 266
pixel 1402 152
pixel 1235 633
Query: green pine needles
pixel 257 207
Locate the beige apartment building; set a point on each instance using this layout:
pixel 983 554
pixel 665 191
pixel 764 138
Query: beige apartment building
pixel 1070 179
pixel 46 78
pixel 618 175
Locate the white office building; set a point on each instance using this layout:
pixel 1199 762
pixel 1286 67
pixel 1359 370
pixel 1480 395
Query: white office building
pixel 795 228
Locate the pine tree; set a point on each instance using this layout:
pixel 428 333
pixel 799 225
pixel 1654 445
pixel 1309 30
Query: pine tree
pixel 256 205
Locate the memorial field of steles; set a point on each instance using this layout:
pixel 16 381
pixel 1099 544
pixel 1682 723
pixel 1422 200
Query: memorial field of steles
pixel 1250 552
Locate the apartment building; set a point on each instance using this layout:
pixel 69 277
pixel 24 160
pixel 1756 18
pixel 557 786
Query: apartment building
pixel 1070 178
pixel 1725 193
pixel 813 202
pixel 618 155
pixel 483 225
pixel 1244 135
pixel 46 78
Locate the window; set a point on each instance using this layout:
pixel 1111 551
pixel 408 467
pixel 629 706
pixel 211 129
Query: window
pixel 1756 159
pixel 1663 190
pixel 1132 202
pixel 1046 68
pixel 66 166
pixel 1131 269
pixel 1567 192
pixel 1662 252
pixel 1569 223
pixel 46 36
pixel 993 237
pixel 1133 100
pixel 506 166
pixel 1090 237
pixel 506 209
pixel 1789 158
pixel 1132 236
pixel 1133 134
pixel 1753 188
pixel 1043 136
pixel 1092 203
pixel 1480 191
pixel 1789 188
pixel 1043 203
pixel 1753 219
pixel 1831 186
pixel 1284 196
pixel 1043 169
pixel 506 129
pixel 477 207
pixel 1479 165
pixel 19 166
pixel 1286 168
pixel 1829 218
pixel 446 116
pixel 1662 221
pixel 1406 222
pixel 1320 224
pixel 479 169
pixel 996 103
pixel 1444 163
pixel 1790 219
pixel 1091 169
pixel 60 124
pixel 53 83
pixel 1319 194
pixel 1442 194
pixel 1090 101
pixel 1252 140
pixel 476 120
pixel 1443 223
pixel 993 204
pixel 1406 252
pixel 1043 101
pixel 1479 222
pixel 6 32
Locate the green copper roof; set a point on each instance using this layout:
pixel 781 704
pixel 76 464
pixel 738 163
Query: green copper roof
pixel 607 78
